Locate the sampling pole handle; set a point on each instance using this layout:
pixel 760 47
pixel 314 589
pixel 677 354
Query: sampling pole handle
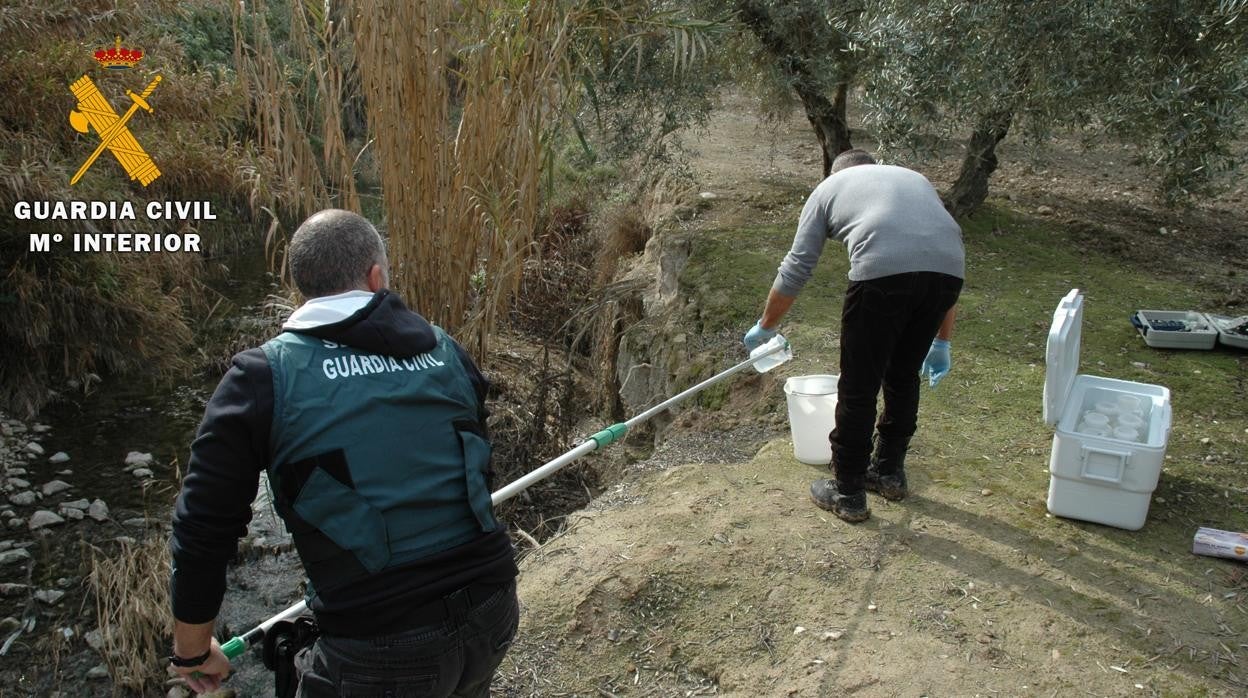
pixel 675 399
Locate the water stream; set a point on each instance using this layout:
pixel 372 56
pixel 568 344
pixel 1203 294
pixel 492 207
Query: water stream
pixel 97 430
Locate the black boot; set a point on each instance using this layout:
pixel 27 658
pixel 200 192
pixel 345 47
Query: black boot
pixel 886 474
pixel 851 507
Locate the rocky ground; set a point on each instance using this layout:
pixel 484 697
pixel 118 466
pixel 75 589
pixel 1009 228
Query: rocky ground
pixel 41 595
pixel 46 595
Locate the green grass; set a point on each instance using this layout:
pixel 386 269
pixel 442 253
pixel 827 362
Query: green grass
pixel 982 427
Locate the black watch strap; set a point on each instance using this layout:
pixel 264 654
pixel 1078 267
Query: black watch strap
pixel 187 663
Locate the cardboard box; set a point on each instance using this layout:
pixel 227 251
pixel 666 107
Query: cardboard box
pixel 1215 543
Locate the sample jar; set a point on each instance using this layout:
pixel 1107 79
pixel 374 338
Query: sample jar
pixel 1108 408
pixel 1091 430
pixel 1131 420
pixel 1126 434
pixel 1129 404
pixel 1096 419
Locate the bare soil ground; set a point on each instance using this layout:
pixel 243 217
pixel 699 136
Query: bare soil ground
pixel 707 571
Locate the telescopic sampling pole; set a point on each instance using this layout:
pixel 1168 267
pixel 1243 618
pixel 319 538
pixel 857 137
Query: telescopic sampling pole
pixel 238 644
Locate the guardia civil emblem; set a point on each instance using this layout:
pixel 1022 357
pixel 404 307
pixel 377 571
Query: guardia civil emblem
pixel 94 113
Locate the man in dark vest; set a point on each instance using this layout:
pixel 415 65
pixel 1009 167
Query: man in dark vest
pixel 370 423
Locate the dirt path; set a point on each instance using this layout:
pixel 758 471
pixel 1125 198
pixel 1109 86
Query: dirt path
pixel 718 577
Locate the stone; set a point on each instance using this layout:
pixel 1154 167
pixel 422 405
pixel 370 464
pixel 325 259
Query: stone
pixel 708 195
pixel 34 448
pixel 95 639
pixel 51 488
pixel 141 472
pixel 134 458
pixel 59 457
pixel 18 483
pixel 9 624
pixel 98 510
pixel 15 555
pixel 77 504
pixel 49 596
pixel 73 514
pixel 43 518
pixel 125 540
pixel 15 471
pixel 13 589
pixel 831 635
pixel 23 499
pixel 41 428
pixel 178 691
pixel 17 522
pixel 1044 210
pixel 136 522
pixel 97 672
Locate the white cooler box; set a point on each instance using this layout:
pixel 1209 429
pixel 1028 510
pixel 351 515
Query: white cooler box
pixel 1110 435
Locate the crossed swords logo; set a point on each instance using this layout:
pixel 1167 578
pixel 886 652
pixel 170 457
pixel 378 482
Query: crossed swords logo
pixel 94 112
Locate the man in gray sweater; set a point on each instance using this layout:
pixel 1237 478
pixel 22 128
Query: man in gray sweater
pixel 906 265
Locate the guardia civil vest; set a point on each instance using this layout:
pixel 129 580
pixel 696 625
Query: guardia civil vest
pixel 376 461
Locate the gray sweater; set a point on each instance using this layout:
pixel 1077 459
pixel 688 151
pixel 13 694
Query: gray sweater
pixel 890 218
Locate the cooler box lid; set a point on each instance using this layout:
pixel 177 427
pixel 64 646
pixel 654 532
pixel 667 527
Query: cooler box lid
pixel 1061 355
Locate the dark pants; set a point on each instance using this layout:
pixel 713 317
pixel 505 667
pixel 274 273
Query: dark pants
pixel 456 657
pixel 887 327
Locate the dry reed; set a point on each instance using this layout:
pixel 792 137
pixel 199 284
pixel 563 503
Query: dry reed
pixel 282 113
pixel 131 589
pixel 461 97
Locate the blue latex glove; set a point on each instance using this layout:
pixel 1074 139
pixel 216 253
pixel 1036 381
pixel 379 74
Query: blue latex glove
pixel 758 336
pixel 937 363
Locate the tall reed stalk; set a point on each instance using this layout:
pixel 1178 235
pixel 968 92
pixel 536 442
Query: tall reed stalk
pixel 461 97
pixel 285 113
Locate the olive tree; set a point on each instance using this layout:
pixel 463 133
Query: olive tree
pixel 1168 76
pixel 1182 91
pixel 813 46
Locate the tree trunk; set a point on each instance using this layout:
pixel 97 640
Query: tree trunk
pixel 971 187
pixel 827 117
pixel 828 120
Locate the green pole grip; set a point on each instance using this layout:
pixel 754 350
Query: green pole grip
pixel 234 647
pixel 610 435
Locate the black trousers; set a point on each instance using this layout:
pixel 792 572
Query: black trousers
pixel 457 657
pixel 887 327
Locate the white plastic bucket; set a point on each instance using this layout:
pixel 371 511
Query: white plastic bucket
pixel 812 414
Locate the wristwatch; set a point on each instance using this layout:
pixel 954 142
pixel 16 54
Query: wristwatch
pixel 187 663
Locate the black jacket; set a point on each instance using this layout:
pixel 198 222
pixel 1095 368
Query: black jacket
pixel 232 448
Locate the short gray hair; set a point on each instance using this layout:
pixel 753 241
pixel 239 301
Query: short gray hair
pixel 333 251
pixel 849 158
